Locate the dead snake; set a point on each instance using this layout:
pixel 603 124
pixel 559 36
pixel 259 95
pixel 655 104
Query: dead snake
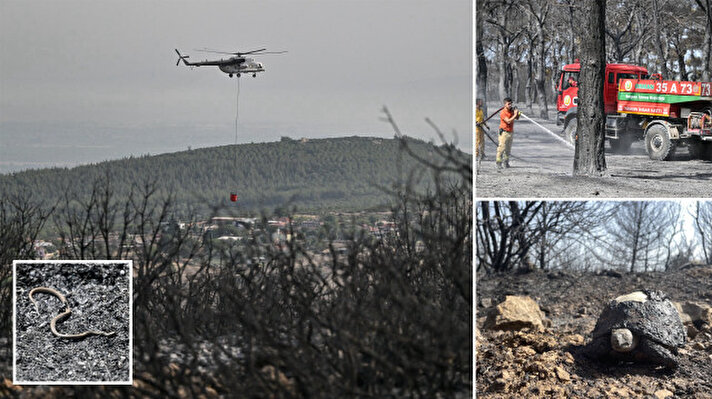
pixel 53 323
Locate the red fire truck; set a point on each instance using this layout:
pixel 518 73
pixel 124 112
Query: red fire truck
pixel 666 114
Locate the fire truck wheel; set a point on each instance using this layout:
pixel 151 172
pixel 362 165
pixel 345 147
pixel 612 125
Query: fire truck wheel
pixel 658 143
pixel 570 130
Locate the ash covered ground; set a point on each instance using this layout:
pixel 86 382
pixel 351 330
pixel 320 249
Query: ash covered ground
pixel 542 168
pixel 550 363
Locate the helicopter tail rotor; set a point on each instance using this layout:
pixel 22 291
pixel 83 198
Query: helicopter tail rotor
pixel 181 58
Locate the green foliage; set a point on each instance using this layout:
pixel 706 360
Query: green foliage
pixel 351 173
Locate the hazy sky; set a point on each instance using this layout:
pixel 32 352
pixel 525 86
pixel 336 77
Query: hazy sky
pixel 94 80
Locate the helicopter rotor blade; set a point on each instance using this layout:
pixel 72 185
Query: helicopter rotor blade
pixel 240 54
pixel 207 50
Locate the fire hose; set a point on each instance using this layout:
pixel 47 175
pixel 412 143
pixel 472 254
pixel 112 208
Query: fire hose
pixel 491 116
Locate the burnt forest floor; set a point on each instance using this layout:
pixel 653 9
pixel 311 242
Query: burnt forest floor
pixel 550 363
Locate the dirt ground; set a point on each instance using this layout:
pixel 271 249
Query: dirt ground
pixel 551 363
pixel 542 168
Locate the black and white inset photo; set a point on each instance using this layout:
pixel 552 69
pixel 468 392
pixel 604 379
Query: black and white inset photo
pixel 72 322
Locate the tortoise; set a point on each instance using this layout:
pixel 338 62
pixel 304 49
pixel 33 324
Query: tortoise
pixel 642 326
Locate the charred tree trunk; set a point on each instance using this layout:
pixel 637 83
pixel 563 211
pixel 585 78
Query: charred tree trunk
pixel 638 55
pixel 706 5
pixel 589 157
pixel 504 18
pixel 556 63
pixel 541 77
pixel 520 236
pixel 543 243
pixel 503 56
pixel 708 47
pixel 701 231
pixel 482 78
pixel 508 78
pixel 661 53
pixel 502 66
pixel 530 88
pixel 681 65
pixel 634 255
pixel 515 84
pixel 481 65
pixel 538 20
pixel 541 97
pixel 572 25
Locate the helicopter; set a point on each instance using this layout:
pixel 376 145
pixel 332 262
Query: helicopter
pixel 236 65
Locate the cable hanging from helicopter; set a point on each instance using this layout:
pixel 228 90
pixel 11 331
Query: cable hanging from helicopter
pixel 233 195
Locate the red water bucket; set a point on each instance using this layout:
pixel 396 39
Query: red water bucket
pixel 233 197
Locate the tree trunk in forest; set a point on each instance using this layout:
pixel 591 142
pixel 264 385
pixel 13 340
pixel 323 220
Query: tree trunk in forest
pixel 542 252
pixel 638 55
pixel 636 237
pixel 556 63
pixel 508 77
pixel 634 255
pixel 543 243
pixel 541 75
pixel 481 65
pixel 530 88
pixel 503 57
pixel 681 65
pixel 515 84
pixel 502 66
pixel 572 36
pixel 662 57
pixel 707 45
pixel 699 223
pixel 541 96
pixel 507 32
pixel 589 157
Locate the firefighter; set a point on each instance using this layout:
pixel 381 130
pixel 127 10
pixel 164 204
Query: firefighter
pixel 480 133
pixel 506 128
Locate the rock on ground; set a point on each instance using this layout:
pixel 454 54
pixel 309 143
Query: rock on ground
pixel 694 316
pixel 515 313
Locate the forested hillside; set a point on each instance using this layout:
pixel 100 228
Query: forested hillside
pixel 337 173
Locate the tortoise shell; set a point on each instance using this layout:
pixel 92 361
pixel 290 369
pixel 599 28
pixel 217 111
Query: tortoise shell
pixel 655 318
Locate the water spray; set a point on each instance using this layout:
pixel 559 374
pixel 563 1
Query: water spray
pixel 571 146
